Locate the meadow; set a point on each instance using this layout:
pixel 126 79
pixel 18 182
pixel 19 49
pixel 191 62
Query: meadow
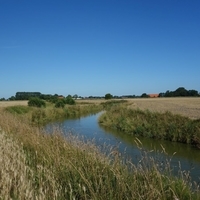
pixel 36 165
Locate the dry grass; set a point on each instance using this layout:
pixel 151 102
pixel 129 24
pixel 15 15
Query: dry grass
pixel 16 177
pixel 90 101
pixel 42 166
pixel 189 107
pixel 13 103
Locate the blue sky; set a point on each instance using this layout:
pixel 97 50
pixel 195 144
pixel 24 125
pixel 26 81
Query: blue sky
pixel 94 47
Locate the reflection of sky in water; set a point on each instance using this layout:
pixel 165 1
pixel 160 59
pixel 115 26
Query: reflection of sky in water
pixel 88 127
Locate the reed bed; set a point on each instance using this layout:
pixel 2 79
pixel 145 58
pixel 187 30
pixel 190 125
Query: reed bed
pixel 166 126
pixel 37 165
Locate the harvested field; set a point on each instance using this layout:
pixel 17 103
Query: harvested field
pixel 189 107
pixel 13 103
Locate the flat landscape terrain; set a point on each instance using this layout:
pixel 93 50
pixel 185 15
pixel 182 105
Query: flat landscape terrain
pixel 189 107
pixel 13 103
pixel 186 106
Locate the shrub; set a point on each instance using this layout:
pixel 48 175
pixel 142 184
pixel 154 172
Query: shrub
pixel 108 96
pixel 36 102
pixel 60 104
pixel 69 100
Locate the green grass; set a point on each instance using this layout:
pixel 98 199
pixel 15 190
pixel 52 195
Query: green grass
pixel 41 116
pixel 37 165
pixel 165 126
pixel 18 109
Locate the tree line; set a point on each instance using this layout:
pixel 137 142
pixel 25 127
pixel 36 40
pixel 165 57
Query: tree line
pixel 179 92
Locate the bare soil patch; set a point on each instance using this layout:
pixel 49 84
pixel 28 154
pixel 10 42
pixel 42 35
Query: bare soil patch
pixel 189 107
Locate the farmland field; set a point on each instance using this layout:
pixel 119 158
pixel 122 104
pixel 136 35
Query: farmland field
pixel 186 106
pixel 13 103
pixel 189 107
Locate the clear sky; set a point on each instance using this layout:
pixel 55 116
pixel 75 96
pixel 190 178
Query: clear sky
pixel 94 47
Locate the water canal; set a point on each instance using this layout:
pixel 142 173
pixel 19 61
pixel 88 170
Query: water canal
pixel 182 155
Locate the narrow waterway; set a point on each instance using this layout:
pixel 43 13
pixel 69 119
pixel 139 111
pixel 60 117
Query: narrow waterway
pixel 180 154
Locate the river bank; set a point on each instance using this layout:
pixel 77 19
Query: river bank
pixel 157 125
pixel 67 168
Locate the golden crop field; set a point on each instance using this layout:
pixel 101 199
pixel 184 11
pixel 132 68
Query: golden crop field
pixel 189 107
pixel 13 103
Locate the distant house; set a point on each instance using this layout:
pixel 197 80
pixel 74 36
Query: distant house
pixel 61 97
pixel 153 95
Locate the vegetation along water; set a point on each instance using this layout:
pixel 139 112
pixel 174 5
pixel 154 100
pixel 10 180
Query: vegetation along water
pixel 51 166
pixel 165 126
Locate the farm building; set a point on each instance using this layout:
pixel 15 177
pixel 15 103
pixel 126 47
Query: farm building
pixel 153 95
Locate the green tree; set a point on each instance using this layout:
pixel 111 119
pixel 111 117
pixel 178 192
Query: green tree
pixel 144 95
pixel 108 96
pixel 60 104
pixel 12 98
pixel 36 102
pixel 181 91
pixel 69 100
pixel 75 96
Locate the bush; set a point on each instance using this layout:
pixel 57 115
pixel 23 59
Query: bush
pixel 108 96
pixel 69 100
pixel 60 104
pixel 36 102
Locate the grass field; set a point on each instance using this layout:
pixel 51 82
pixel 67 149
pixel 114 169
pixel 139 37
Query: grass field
pixel 189 107
pixel 13 103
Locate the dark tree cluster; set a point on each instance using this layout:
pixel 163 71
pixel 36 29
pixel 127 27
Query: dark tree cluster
pixel 108 96
pixel 26 95
pixel 180 92
pixel 36 102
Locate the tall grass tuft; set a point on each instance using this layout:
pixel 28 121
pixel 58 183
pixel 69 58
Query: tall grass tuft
pixel 42 166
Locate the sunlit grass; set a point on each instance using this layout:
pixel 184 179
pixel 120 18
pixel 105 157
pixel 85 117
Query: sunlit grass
pixel 166 126
pixel 41 116
pixel 42 166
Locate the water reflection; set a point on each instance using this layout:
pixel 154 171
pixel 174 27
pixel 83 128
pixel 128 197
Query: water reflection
pixel 88 127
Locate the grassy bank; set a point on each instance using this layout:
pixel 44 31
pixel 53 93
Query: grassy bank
pixel 41 116
pixel 166 126
pixel 36 165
